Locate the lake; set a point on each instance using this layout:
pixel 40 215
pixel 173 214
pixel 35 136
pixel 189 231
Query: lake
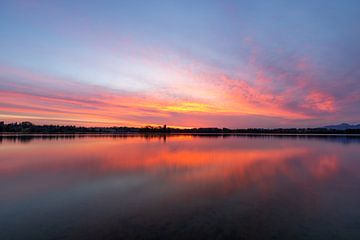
pixel 179 187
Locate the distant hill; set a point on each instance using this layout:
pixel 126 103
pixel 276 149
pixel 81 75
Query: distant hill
pixel 343 126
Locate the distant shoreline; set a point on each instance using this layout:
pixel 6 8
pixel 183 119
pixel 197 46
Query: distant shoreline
pixel 30 128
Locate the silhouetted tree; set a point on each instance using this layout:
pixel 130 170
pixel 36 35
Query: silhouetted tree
pixel 28 127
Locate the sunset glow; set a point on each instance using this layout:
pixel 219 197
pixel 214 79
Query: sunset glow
pixel 185 64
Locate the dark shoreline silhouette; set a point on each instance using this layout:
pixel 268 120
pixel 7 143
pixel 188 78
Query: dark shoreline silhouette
pixel 30 128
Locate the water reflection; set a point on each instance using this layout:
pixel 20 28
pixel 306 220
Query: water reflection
pixel 179 186
pixel 25 138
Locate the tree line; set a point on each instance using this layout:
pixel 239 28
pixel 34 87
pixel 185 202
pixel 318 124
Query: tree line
pixel 28 127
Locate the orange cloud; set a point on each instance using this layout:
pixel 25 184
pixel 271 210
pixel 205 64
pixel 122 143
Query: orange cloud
pixel 319 101
pixel 193 91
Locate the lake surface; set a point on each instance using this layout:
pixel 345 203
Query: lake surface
pixel 179 187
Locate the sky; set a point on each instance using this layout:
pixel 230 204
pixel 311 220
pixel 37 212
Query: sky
pixel 235 64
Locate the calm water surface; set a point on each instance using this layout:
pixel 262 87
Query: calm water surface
pixel 179 187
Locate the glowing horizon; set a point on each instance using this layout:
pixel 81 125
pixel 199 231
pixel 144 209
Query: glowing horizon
pixel 204 64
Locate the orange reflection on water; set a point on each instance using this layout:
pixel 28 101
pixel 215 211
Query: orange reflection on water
pixel 178 182
pixel 217 164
